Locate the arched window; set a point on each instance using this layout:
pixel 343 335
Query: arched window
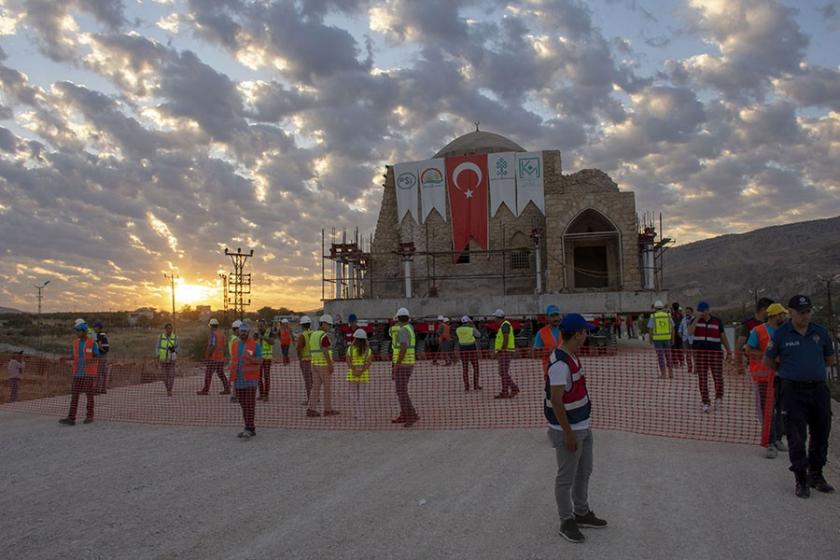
pixel 520 257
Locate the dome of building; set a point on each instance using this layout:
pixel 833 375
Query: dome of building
pixel 479 142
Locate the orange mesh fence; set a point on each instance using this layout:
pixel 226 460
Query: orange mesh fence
pixel 625 386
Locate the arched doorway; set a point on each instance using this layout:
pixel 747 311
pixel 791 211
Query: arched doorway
pixel 592 251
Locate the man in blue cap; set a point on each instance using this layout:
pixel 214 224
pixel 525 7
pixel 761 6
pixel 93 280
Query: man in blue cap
pixel 85 371
pixel 800 351
pixel 567 408
pixel 707 332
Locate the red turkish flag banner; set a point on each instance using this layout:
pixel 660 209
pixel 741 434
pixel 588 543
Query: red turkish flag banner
pixel 467 184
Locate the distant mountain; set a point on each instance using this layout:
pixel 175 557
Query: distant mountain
pixel 9 310
pixel 781 260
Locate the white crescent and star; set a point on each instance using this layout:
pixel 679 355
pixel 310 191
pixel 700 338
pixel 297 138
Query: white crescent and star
pixel 466 166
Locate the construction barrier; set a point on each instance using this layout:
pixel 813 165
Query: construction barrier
pixel 625 386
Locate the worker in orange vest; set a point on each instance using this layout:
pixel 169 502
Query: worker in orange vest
pixel 548 338
pixel 85 372
pixel 444 333
pixel 245 362
pixel 284 333
pixel 215 356
pixel 765 382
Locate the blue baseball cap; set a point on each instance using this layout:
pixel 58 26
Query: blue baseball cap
pixel 352 317
pixel 702 306
pixel 552 310
pixel 574 322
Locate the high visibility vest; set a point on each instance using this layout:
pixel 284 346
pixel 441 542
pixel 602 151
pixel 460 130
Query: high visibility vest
pixel 758 370
pixel 304 355
pixel 359 359
pixel 549 344
pixel 500 337
pixel 316 351
pixel 89 357
pixel 661 327
pixel 445 332
pixel 218 352
pixel 466 336
pixel 266 345
pixel 285 336
pixel 233 338
pixel 409 358
pixel 575 396
pixel 392 332
pixel 250 372
pixel 164 342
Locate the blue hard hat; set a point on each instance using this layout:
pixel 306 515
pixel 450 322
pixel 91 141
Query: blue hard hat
pixel 574 322
pixel 552 310
pixel 81 327
pixel 702 306
pixel 352 317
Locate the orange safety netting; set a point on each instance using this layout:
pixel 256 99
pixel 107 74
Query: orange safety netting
pixel 625 387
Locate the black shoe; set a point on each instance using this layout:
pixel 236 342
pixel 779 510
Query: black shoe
pixel 802 490
pixel 88 420
pixel 590 520
pixel 67 422
pixel 569 531
pixel 818 482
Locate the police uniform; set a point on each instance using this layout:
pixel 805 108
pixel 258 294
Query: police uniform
pixel 805 397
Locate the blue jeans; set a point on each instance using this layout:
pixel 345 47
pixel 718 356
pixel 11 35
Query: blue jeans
pixel 13 389
pixel 663 353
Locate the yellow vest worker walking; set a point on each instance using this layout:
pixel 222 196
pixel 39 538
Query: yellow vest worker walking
pixel 322 368
pixel 359 357
pixel 266 337
pixel 661 328
pixel 302 347
pixel 505 348
pixel 401 368
pixel 167 352
pixel 467 334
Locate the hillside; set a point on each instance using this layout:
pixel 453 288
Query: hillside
pixel 9 310
pixel 782 260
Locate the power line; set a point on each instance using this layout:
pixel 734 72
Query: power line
pixel 239 283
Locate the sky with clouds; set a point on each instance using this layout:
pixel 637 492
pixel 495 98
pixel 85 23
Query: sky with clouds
pixel 143 136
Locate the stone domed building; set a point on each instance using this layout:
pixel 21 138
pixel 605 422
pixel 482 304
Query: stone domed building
pixel 575 244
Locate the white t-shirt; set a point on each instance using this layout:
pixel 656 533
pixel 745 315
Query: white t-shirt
pixel 560 374
pixel 15 369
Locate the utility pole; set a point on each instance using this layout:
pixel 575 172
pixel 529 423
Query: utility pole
pixel 224 279
pixel 239 283
pixel 40 297
pixel 171 277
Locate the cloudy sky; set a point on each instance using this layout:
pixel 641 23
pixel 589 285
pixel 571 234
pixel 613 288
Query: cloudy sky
pixel 142 136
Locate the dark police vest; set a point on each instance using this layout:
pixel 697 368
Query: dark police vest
pixel 575 398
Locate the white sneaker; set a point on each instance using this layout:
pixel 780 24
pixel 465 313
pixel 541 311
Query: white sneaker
pixel 718 404
pixel 706 408
pixel 780 445
pixel 772 452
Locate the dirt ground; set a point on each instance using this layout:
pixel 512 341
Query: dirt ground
pixel 117 490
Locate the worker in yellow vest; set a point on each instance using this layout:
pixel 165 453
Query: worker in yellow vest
pixel 402 366
pixel 359 357
pixel 504 347
pixel 392 335
pixel 167 353
pixel 467 336
pixel 304 357
pixel 320 350
pixel 661 329
pixel 266 337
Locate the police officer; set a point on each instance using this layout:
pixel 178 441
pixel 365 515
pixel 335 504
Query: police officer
pixel 800 351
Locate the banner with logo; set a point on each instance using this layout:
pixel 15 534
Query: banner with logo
pixel 502 170
pixel 432 175
pixel 467 185
pixel 406 181
pixel 529 181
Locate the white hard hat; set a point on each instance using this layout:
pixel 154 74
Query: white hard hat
pixel 285 321
pixel 498 313
pixel 440 318
pixel 305 320
pixel 244 327
pixel 326 318
pixel 78 322
pixel 360 333
pixel 446 319
pixel 658 304
pixel 214 322
pixel 402 312
pixel 465 319
pixel 236 324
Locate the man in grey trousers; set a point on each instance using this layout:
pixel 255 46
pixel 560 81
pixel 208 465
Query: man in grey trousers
pixel 567 409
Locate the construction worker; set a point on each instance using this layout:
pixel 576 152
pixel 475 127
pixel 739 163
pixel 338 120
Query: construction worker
pixel 505 347
pixel 101 338
pixel 764 378
pixel 444 334
pixel 322 368
pixel 548 338
pixel 234 336
pixel 167 353
pixel 359 357
pixel 392 334
pixel 85 371
pixel 304 357
pixel 214 353
pixel 467 336
pixel 245 362
pixel 284 333
pixel 266 336
pixel 661 328
pixel 747 325
pixel 402 365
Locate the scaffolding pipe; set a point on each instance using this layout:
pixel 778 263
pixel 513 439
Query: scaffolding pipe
pixel 407 265
pixel 338 278
pixel 351 279
pixel 538 256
